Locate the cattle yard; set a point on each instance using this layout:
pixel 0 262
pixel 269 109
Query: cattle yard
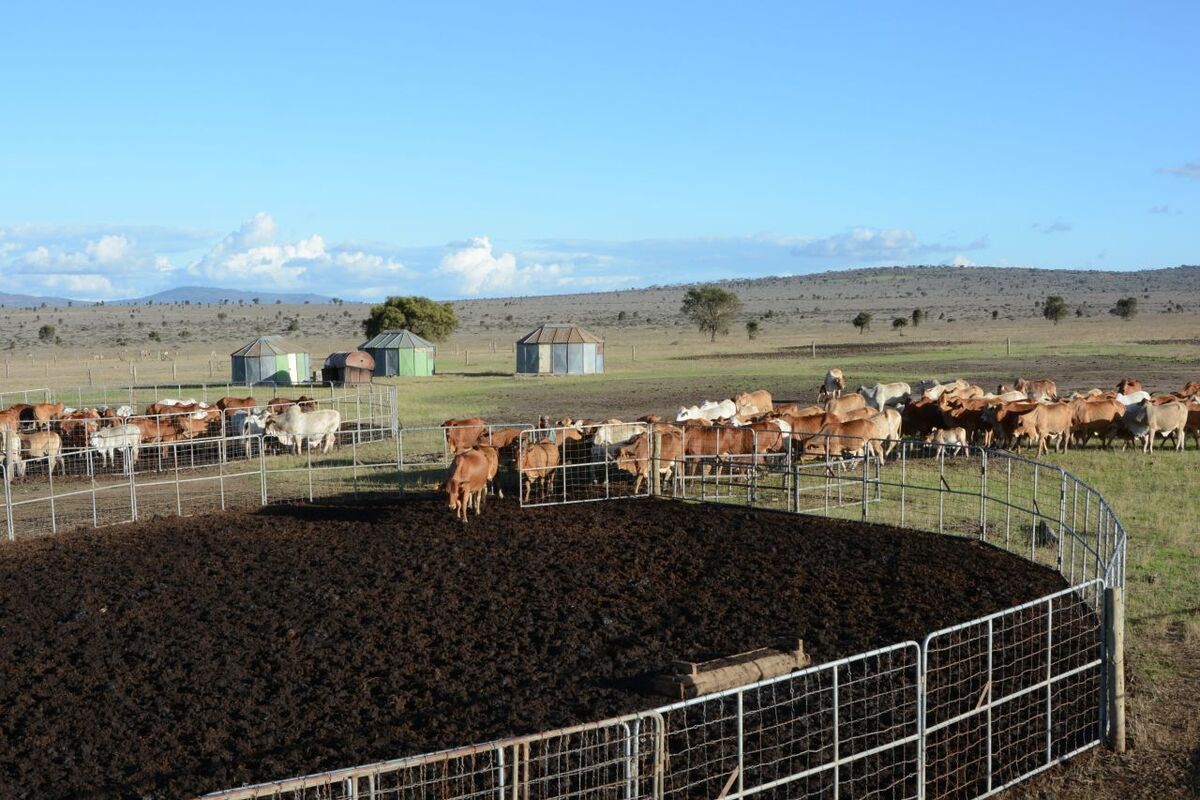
pixel 1034 512
pixel 857 721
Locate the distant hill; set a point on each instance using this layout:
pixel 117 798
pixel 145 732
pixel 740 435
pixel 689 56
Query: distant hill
pixel 25 300
pixel 209 294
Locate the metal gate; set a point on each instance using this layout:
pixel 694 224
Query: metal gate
pixel 578 465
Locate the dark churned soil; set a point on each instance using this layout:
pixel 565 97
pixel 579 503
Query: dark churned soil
pixel 177 656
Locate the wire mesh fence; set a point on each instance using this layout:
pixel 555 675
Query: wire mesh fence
pixel 573 464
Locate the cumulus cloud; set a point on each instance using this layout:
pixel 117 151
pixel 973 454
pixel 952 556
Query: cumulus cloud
pixel 253 254
pixel 479 269
pixel 962 261
pixel 1188 170
pixel 876 244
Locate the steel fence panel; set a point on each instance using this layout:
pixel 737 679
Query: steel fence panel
pixel 1012 693
pixel 570 464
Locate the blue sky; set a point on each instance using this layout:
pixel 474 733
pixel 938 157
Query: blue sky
pixel 459 149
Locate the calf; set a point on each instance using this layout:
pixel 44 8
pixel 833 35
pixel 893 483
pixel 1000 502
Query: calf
pixel 944 438
pixel 1046 421
pixel 47 444
pixel 537 462
pixel 125 438
pixel 634 457
pixel 463 434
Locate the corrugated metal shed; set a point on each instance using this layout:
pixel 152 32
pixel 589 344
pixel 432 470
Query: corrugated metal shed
pixel 391 339
pixel 560 350
pixel 267 346
pixel 401 352
pixel 550 333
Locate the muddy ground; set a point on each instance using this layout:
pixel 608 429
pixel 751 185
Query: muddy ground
pixel 177 656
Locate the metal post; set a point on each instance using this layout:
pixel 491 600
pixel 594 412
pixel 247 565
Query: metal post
pixel 1114 630
pixel 400 460
pixel 50 474
pixel 741 744
pixel 1062 519
pixel 991 648
pixel 983 489
pixel 837 739
pixel 866 460
pixel 262 469
pixel 1049 681
pixel 8 520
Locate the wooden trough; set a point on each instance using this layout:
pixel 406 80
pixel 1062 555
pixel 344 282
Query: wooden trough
pixel 686 679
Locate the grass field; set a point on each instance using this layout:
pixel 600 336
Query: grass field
pixel 655 364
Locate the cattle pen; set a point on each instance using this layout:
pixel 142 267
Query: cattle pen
pixel 963 712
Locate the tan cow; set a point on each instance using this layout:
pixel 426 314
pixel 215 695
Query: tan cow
pixel 1149 419
pixel 837 439
pixel 43 413
pixel 1046 421
pixel 846 403
pixel 537 462
pixel 1042 389
pixel 634 457
pixel 46 444
pixel 833 386
pixel 752 404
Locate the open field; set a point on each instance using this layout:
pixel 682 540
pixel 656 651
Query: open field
pixel 655 363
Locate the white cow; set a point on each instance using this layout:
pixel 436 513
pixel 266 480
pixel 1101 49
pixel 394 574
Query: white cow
pixel 298 427
pixel 709 410
pixel 886 394
pixel 10 450
pixel 1133 398
pixel 249 425
pixel 610 435
pixel 833 385
pixel 107 441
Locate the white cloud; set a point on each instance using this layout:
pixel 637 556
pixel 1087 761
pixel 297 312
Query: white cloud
pixel 478 269
pixel 962 261
pixel 1188 170
pixel 110 249
pixel 252 254
pixel 862 245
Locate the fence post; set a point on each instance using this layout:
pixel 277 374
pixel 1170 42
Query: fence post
pixel 1114 630
pixel 1062 518
pixel 8 520
pixel 866 460
pixel 262 470
pixel 983 486
pixel 655 455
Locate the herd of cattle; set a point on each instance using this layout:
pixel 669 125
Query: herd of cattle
pixel 53 431
pixel 750 426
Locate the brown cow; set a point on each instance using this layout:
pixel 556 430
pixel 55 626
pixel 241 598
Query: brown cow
pixel 1044 421
pixel 1002 421
pixel 230 405
pixel 1193 421
pixel 1094 418
pixel 1191 390
pixel 463 434
pixel 921 416
pixel 45 412
pixel 467 482
pixel 634 457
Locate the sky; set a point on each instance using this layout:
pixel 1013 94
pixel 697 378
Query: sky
pixel 461 149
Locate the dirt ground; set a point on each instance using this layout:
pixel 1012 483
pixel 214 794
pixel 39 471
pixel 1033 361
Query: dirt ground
pixel 177 656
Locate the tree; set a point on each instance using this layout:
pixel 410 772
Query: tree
pixel 917 316
pixel 899 323
pixel 862 321
pixel 46 333
pixel 1126 308
pixel 422 316
pixel 1054 309
pixel 711 309
pixel 752 329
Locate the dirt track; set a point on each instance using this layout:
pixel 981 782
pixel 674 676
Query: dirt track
pixel 179 656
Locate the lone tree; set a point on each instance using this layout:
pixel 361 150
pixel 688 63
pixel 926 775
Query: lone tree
pixel 899 323
pixel 46 333
pixel 1054 309
pixel 422 316
pixel 1126 308
pixel 752 329
pixel 711 309
pixel 917 316
pixel 862 321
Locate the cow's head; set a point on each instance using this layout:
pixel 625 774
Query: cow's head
pixel 1025 427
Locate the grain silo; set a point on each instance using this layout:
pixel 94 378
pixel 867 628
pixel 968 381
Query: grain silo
pixel 269 359
pixel 552 349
